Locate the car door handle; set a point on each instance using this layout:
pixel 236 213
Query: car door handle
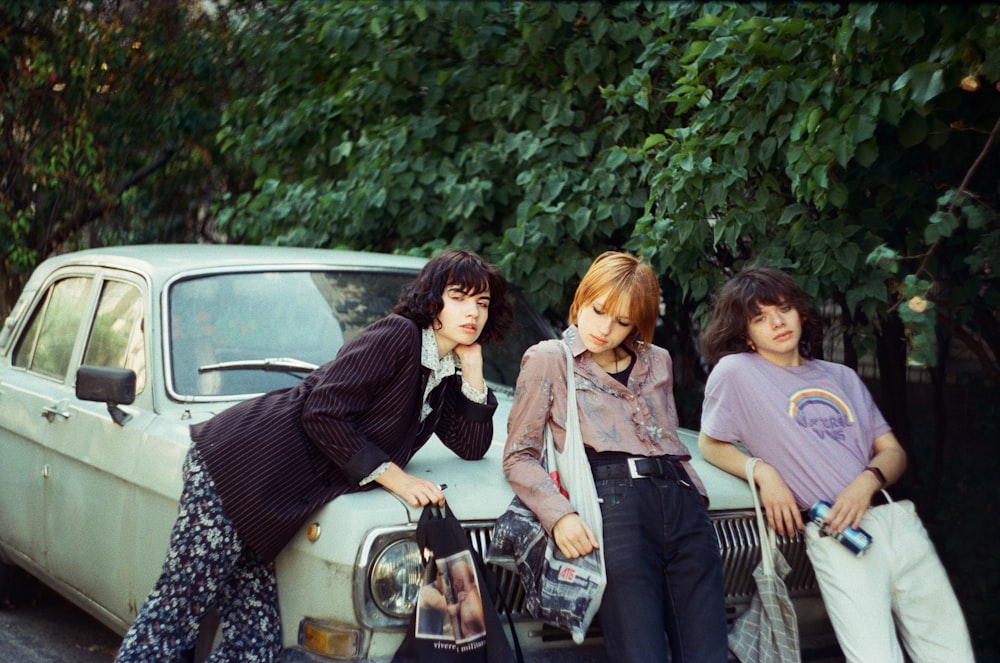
pixel 50 412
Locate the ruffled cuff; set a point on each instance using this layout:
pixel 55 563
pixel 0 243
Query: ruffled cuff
pixel 474 394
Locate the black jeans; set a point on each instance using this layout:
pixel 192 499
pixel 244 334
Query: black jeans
pixel 665 585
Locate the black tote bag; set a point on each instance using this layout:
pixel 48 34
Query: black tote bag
pixel 456 620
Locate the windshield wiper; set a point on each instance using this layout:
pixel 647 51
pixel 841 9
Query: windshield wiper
pixel 280 364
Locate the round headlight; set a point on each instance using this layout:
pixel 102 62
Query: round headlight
pixel 396 576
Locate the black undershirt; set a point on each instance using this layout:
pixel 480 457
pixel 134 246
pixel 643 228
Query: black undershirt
pixel 613 457
pixel 622 375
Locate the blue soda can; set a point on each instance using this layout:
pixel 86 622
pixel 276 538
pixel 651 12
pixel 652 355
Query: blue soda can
pixel 855 540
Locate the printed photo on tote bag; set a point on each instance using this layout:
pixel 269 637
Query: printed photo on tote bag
pixel 450 606
pixel 456 618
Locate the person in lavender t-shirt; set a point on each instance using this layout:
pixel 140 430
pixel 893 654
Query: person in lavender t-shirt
pixel 821 437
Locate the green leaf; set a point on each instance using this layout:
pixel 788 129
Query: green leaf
pixel 942 224
pixel 813 119
pixel 847 256
pixel 715 49
pixel 694 51
pixel 860 127
pixel 912 130
pixel 842 148
pixel 838 195
pixel 707 21
pixel 791 212
pixel 566 10
pixel 978 216
pixel 884 257
pixel 947 198
pixel 615 157
pixel 924 81
pixel 698 287
pixel 581 221
pixel 862 16
pixel 653 140
pixel 866 153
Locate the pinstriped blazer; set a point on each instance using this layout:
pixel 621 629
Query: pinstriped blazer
pixel 276 458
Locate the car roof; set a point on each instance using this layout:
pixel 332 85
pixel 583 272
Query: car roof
pixel 163 261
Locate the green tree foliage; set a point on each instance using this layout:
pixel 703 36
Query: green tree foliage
pixel 851 144
pixel 834 140
pixel 414 124
pixel 107 125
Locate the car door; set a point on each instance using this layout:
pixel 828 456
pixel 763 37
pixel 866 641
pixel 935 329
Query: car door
pixel 34 399
pixel 91 496
pixel 88 499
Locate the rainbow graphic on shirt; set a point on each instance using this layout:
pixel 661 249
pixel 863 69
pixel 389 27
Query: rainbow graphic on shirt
pixel 823 412
pixel 800 399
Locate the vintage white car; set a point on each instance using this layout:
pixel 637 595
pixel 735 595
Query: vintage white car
pixel 109 355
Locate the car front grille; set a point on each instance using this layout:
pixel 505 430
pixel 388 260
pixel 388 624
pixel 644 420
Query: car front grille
pixel 740 546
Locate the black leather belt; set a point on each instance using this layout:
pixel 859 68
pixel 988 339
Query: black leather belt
pixel 642 467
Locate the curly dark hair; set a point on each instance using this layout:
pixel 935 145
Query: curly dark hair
pixel 740 299
pixel 423 298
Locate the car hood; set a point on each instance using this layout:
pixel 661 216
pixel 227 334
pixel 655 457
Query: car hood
pixel 477 490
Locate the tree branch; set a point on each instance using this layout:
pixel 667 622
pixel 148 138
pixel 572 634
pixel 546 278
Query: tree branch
pixel 979 160
pixel 62 231
pixel 161 160
pixel 988 364
pixel 962 187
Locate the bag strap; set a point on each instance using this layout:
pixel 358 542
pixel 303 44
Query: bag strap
pixel 550 451
pixel 768 544
pixel 495 592
pixel 573 435
pixel 492 588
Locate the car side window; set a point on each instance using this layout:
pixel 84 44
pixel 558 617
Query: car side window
pixel 46 347
pixel 117 337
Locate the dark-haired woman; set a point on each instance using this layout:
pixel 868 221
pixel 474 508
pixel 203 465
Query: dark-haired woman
pixel 821 437
pixel 256 471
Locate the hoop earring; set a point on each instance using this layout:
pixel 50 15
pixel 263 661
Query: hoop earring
pixel 753 347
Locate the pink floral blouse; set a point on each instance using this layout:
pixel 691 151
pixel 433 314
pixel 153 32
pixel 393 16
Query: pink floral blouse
pixel 640 420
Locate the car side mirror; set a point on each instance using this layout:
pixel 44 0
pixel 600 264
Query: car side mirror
pixel 103 384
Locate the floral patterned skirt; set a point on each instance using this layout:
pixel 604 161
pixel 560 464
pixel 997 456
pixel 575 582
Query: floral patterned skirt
pixel 207 565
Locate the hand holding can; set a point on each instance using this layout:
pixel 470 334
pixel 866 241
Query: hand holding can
pixel 854 539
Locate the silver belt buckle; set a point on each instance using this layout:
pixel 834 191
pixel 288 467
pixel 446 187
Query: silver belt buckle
pixel 633 471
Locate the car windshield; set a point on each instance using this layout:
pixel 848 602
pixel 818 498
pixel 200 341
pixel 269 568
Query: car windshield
pixel 246 333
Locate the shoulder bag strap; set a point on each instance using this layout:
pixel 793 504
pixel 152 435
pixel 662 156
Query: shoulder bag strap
pixel 766 535
pixel 573 435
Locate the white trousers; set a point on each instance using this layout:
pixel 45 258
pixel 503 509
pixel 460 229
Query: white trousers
pixel 899 583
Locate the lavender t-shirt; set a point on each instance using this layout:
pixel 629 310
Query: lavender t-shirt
pixel 814 423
